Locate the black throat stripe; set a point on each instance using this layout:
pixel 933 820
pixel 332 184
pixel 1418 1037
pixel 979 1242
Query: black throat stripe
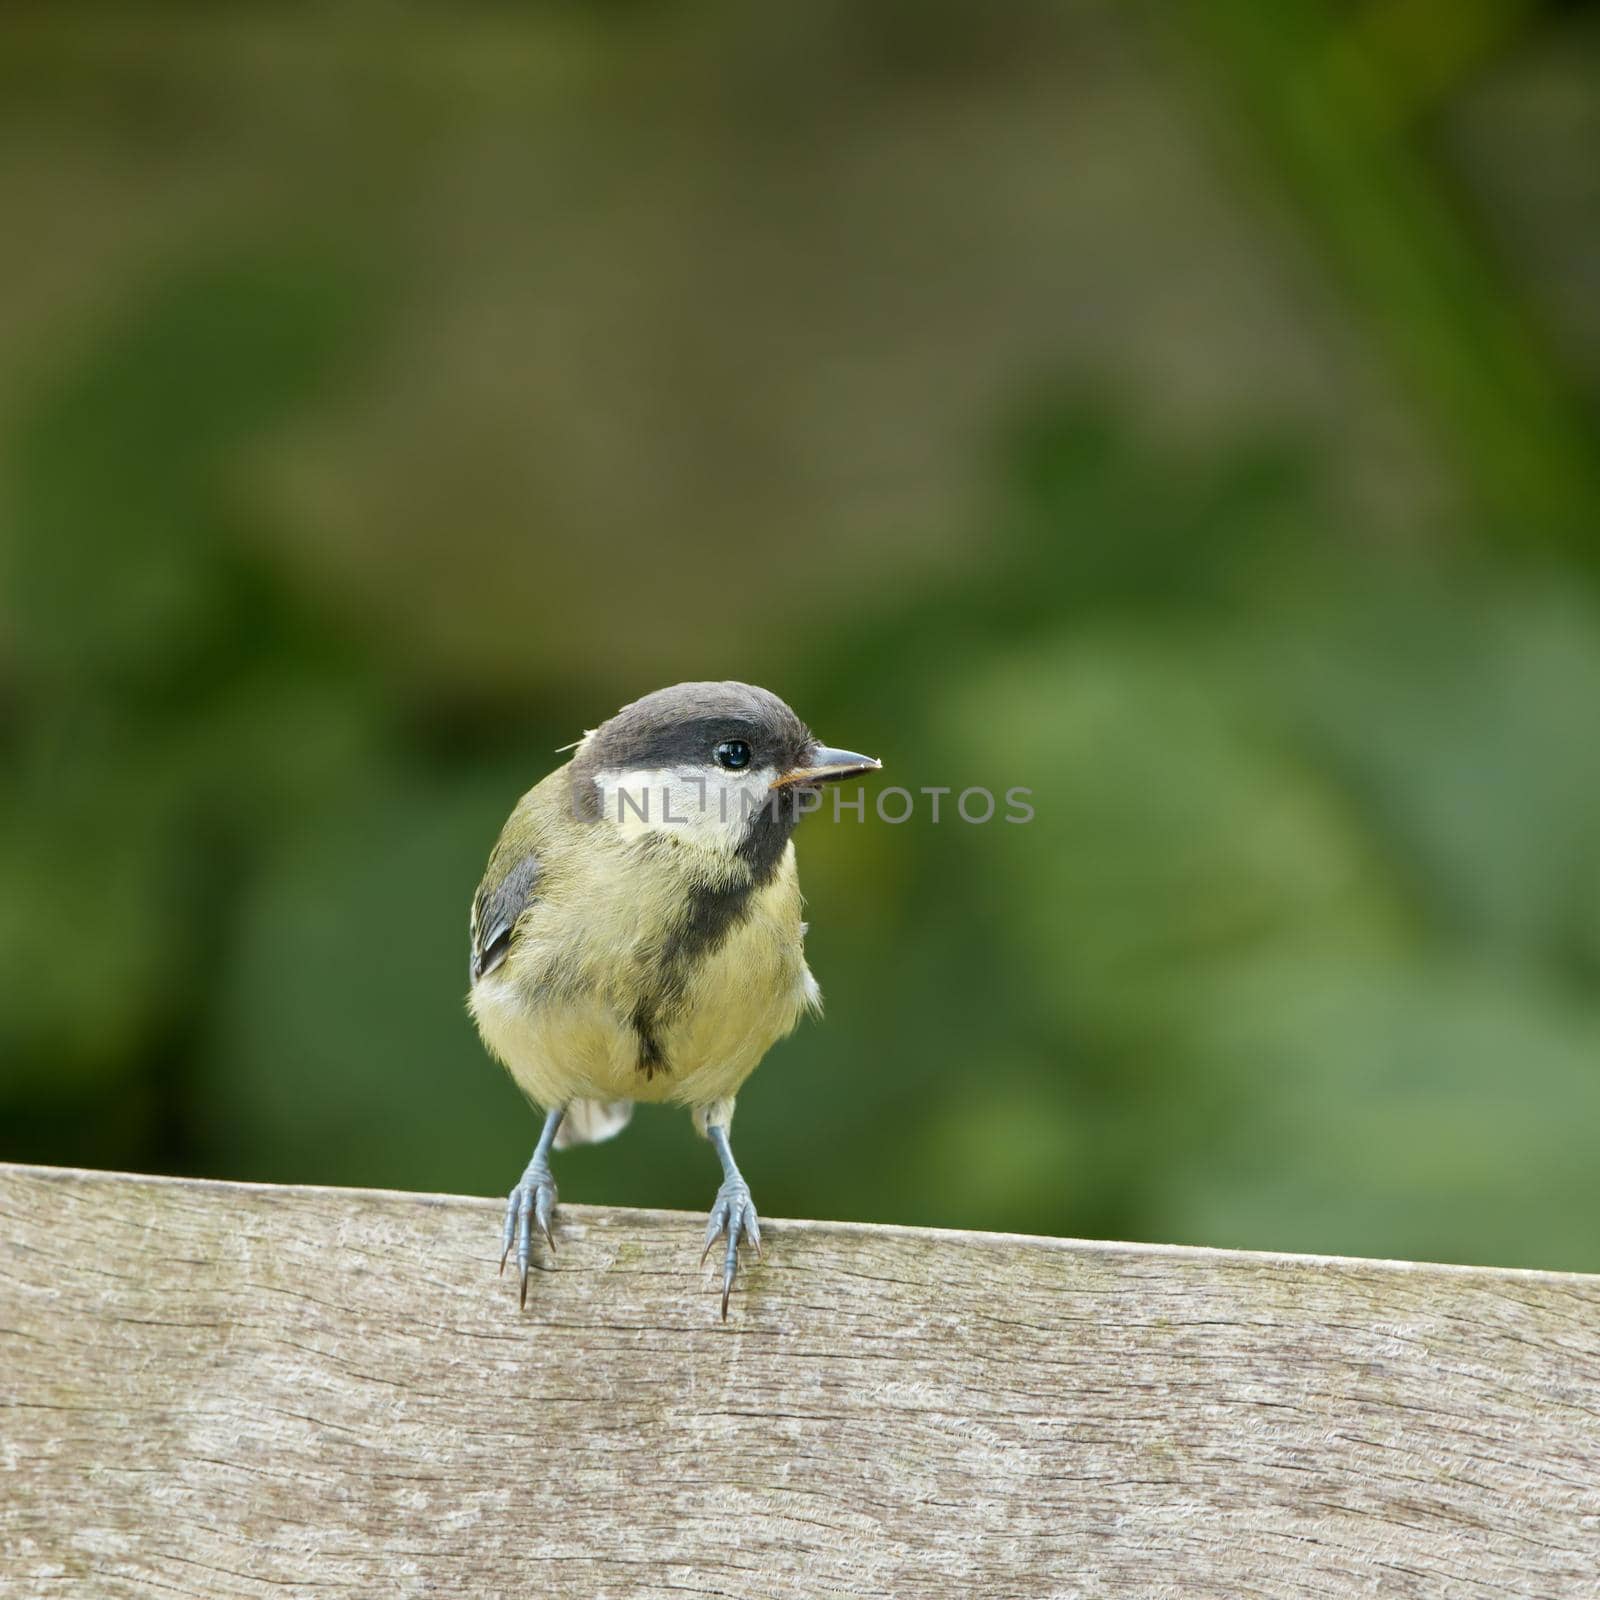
pixel 711 912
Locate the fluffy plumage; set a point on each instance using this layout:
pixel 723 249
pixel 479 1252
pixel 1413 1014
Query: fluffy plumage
pixel 637 934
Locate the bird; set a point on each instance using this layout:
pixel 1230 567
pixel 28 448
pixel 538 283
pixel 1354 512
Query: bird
pixel 637 935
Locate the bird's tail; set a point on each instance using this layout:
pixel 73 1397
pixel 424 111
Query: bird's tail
pixel 590 1121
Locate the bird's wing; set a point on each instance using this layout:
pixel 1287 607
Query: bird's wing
pixel 501 899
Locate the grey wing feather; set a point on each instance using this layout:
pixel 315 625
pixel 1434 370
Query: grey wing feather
pixel 495 911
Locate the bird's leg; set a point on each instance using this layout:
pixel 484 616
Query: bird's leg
pixel 733 1213
pixel 533 1200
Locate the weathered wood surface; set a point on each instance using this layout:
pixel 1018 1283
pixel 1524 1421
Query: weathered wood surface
pixel 224 1390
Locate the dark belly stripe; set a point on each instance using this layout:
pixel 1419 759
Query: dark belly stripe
pixel 651 1060
pixel 711 913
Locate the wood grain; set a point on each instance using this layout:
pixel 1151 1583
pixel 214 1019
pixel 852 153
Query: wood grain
pixel 226 1390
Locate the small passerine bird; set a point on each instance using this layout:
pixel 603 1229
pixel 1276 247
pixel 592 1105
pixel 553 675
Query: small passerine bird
pixel 637 934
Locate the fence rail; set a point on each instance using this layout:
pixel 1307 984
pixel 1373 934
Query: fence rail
pixel 216 1389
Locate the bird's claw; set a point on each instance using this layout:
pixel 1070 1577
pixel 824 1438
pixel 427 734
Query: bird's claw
pixel 532 1201
pixel 732 1213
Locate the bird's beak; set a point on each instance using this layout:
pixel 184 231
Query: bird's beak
pixel 823 765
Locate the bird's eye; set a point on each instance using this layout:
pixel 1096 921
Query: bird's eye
pixel 734 754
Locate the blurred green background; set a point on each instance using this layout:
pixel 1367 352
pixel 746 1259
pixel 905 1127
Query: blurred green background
pixel 1190 415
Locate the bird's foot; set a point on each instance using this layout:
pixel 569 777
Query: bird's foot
pixel 734 1214
pixel 532 1201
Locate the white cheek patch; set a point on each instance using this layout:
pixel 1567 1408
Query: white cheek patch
pixel 705 804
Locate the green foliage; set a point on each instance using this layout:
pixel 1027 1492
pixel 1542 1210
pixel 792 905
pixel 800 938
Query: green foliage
pixel 174 705
pixel 1300 950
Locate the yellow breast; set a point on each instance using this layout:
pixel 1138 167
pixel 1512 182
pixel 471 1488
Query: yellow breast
pixel 738 999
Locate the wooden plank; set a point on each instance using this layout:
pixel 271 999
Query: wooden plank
pixel 227 1390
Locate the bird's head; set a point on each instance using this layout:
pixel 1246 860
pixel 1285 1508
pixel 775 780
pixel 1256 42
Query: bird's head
pixel 722 766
